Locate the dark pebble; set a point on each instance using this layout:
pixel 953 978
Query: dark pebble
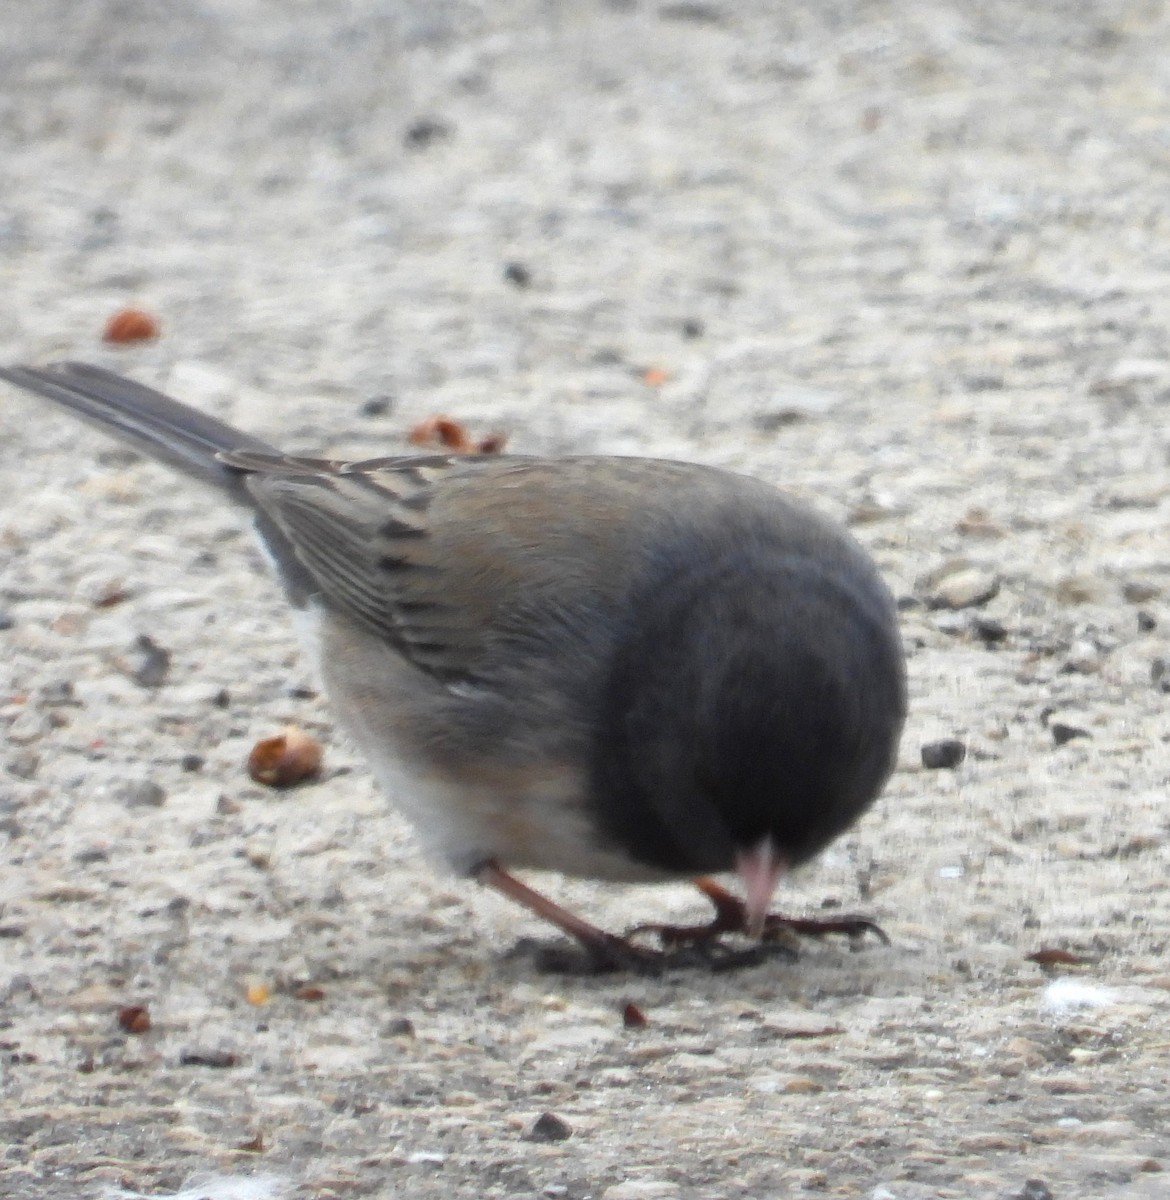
pixel 134 1018
pixel 222 698
pixel 219 1059
pixel 1146 621
pixel 154 663
pixel 192 762
pixel 1062 733
pixel 548 1127
pixel 7 620
pixel 1034 1189
pixel 984 383
pixel 398 1027
pixel 141 793
pixel 693 329
pixel 1159 675
pixel 424 131
pixel 518 274
pixel 377 406
pixel 95 854
pixel 58 693
pixel 944 754
pixel 988 630
pixel 1138 591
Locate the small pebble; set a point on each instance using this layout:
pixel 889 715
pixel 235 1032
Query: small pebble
pixel 220 1060
pixel 980 1143
pixel 285 759
pixel 1062 733
pixel 943 754
pixel 141 793
pixel 964 589
pixel 134 1018
pixel 518 274
pixel 1034 1189
pixel 802 1085
pixel 793 406
pixel 693 328
pixel 1080 589
pixel 130 325
pixel 153 664
pixel 1146 621
pixel 399 1027
pixel 192 762
pixel 977 523
pixel 548 1127
pixel 988 630
pixel 60 692
pixel 1160 675
pixel 1139 591
pixel 377 406
pixel 423 132
pixel 7 620
pixel 24 764
pixel 429 1158
pixel 1084 658
pixel 93 854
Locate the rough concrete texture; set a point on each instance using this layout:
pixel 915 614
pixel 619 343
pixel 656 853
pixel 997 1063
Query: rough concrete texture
pixel 911 260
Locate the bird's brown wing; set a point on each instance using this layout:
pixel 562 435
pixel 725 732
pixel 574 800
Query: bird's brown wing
pixel 438 555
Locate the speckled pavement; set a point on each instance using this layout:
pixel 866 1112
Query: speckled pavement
pixel 911 261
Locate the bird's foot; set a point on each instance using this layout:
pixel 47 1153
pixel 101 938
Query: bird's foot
pixel 598 953
pixel 731 916
pixel 625 956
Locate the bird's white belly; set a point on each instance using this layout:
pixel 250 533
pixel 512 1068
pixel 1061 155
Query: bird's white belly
pixel 529 816
pixel 537 822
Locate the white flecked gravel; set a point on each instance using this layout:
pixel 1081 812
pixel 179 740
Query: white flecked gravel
pixel 924 253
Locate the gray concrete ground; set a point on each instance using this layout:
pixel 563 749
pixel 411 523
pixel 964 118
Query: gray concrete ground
pixel 911 260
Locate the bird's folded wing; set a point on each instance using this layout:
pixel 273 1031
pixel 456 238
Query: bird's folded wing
pixel 437 556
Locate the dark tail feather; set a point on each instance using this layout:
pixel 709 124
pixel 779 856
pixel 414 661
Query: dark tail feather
pixel 151 422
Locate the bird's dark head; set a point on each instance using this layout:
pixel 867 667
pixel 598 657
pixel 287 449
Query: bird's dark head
pixel 753 712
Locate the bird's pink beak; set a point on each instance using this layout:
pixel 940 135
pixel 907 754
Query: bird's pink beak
pixel 760 869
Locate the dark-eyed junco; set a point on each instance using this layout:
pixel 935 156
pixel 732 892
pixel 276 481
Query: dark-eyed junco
pixel 616 668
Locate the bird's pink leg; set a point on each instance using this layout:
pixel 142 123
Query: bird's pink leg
pixel 607 950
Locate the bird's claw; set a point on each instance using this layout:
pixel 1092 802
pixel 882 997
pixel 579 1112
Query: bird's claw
pixel 777 930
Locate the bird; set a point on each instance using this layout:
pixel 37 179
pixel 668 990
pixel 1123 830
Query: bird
pixel 624 669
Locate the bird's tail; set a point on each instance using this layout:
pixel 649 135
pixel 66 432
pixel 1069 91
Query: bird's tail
pixel 151 422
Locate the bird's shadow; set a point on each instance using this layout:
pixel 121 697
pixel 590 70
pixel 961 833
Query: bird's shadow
pixel 712 956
